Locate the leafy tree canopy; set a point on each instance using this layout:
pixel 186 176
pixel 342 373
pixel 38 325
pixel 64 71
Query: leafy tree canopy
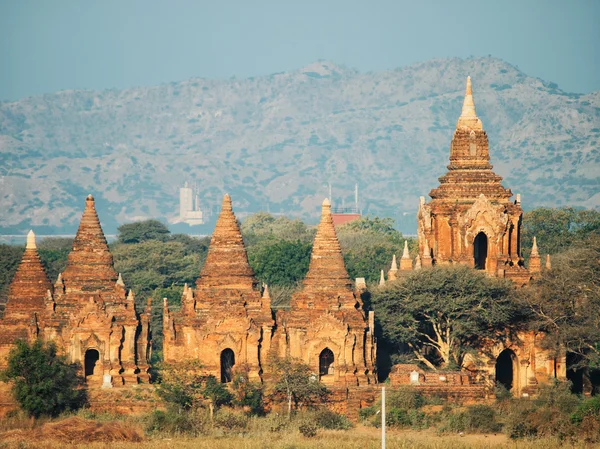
pixel 295 383
pixel 263 226
pixel 565 302
pixel 443 312
pixel 368 245
pixel 141 231
pixel 280 262
pixel 44 383
pixel 558 229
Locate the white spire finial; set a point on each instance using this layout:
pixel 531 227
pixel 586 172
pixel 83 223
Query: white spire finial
pixel 394 264
pixel 30 241
pixel 405 254
pixel 382 279
pixel 120 281
pixel 534 249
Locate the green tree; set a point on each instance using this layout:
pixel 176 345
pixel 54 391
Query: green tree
pixel 443 312
pixel 565 302
pixel 280 262
pixel 10 257
pixel 558 229
pixel 43 382
pixel 181 384
pixel 263 226
pixel 141 231
pixel 368 245
pixel 216 394
pixel 295 383
pixel 53 254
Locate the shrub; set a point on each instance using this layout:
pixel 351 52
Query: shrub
pixel 175 422
pixel 477 418
pixel 44 383
pixel 590 407
pixel 405 398
pixel 326 419
pixel 308 429
pixel 229 420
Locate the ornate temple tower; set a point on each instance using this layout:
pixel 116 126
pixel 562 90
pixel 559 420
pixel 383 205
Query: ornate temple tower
pixel 326 326
pixel 471 219
pixel 225 322
pixel 87 313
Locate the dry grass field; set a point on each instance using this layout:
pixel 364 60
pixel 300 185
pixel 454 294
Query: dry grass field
pixel 80 432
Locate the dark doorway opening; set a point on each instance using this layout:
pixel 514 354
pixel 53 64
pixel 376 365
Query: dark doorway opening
pixel 91 358
pixel 575 372
pixel 480 245
pixel 506 369
pixel 227 363
pixel 326 362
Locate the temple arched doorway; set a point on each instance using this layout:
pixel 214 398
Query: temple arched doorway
pixel 326 362
pixel 506 369
pixel 227 363
pixel 90 361
pixel 480 247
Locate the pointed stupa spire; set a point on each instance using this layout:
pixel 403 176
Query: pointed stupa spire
pixel 30 240
pixel 405 253
pixel 266 294
pixel 90 263
pixel 468 117
pixel 535 262
pixel 548 263
pixel 426 259
pixel 418 262
pixel 534 248
pixel 226 264
pixel 327 270
pixel 393 269
pixel 405 262
pixel 382 279
pixel 28 288
pixel 130 295
pixel 120 281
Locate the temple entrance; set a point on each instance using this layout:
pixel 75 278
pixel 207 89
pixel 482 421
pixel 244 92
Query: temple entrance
pixel 227 362
pixel 480 245
pixel 506 369
pixel 90 360
pixel 326 362
pixel 576 373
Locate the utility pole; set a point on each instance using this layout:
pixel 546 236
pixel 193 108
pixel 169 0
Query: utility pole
pixel 382 417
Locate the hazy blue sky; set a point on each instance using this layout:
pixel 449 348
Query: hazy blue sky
pixel 49 45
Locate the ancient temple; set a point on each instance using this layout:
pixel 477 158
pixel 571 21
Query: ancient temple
pixel 326 326
pixel 226 321
pixel 87 313
pixel 471 219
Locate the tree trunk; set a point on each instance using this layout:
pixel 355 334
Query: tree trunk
pixel 289 406
pixel 211 409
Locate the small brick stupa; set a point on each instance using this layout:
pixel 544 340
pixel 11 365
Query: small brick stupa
pixel 471 219
pixel 326 326
pixel 226 322
pixel 26 300
pixel 87 313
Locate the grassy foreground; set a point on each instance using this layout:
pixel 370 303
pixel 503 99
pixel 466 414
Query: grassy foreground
pixel 80 432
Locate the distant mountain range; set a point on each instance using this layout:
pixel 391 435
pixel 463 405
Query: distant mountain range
pixel 275 142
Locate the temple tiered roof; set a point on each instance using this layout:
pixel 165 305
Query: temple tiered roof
pixel 227 264
pixel 30 284
pixel 469 173
pixel 89 264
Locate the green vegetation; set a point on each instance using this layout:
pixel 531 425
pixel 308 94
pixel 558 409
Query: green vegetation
pixel 44 384
pixel 444 312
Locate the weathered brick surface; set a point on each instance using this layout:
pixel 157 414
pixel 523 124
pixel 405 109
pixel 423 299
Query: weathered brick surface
pixel 469 201
pixel 226 311
pixel 87 309
pixel 327 314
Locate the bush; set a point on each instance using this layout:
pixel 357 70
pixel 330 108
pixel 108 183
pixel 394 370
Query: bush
pixel 478 418
pixel 174 422
pixel 405 398
pixel 590 407
pixel 229 420
pixel 44 383
pixel 308 429
pixel 326 419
